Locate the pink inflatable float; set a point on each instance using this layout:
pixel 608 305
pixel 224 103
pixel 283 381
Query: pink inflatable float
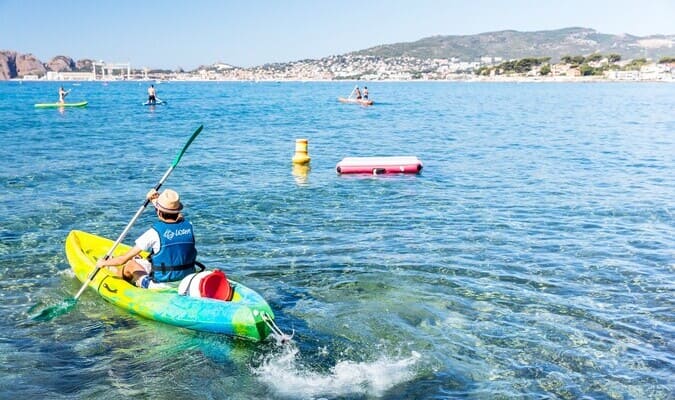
pixel 379 165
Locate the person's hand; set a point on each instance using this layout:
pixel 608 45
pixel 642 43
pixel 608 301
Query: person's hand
pixel 100 263
pixel 152 195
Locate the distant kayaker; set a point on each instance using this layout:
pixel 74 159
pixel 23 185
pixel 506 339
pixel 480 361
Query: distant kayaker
pixel 365 92
pixel 62 95
pixel 152 99
pixel 358 93
pixel 170 242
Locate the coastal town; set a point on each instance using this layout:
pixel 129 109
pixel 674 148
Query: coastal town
pixel 374 68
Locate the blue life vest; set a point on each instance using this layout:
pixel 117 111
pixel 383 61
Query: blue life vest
pixel 177 253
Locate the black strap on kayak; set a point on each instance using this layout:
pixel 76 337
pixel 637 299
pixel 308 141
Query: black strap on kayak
pixel 166 269
pixel 202 267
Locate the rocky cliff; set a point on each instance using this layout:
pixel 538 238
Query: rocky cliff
pixel 7 68
pixel 13 64
pixel 17 65
pixel 61 64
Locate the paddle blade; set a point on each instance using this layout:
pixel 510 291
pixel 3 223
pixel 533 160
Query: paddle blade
pixel 54 311
pixel 192 138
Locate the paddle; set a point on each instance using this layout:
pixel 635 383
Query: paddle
pixel 352 93
pixel 54 311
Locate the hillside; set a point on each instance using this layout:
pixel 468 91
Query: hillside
pixel 515 45
pixel 507 45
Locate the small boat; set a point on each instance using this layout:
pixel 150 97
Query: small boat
pixel 363 102
pixel 246 314
pixel 60 105
pixel 379 165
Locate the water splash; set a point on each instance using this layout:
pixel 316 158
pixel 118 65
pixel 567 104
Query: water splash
pixel 284 374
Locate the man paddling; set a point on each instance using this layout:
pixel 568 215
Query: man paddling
pixel 152 95
pixel 170 242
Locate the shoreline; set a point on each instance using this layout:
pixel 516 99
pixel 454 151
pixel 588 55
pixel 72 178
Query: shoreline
pixel 463 80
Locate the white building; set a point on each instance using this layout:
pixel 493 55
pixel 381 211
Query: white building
pixel 70 76
pixel 623 75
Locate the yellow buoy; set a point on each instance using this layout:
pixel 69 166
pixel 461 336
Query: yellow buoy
pixel 301 156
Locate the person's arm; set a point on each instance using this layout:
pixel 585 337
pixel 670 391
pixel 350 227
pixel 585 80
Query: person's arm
pixel 134 251
pixel 119 260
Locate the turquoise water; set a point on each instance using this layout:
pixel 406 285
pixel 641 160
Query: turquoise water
pixel 532 258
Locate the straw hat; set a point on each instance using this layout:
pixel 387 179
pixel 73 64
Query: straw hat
pixel 168 202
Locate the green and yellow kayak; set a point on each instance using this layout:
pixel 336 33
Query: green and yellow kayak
pixel 59 105
pixel 246 315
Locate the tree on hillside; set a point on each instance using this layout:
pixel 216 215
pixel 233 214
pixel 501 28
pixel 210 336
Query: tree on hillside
pixel 574 60
pixel 612 58
pixel 545 70
pixel 587 70
pixel 593 57
pixel 522 66
pixel 636 64
pixel 578 60
pixel 483 71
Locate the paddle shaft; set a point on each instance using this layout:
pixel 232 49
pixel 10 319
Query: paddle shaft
pixel 139 212
pixel 350 94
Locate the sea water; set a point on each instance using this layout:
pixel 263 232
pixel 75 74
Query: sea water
pixel 533 257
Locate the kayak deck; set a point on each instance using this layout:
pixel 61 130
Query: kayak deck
pixel 244 316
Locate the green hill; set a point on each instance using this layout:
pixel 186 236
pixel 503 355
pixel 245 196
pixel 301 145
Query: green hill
pixel 514 45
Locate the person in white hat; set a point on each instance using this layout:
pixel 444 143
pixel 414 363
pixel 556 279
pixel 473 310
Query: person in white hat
pixel 170 242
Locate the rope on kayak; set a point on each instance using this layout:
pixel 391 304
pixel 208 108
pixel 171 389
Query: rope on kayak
pixel 280 336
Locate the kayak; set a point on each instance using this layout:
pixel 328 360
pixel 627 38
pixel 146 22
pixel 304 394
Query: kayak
pixel 246 315
pixel 363 102
pixel 59 105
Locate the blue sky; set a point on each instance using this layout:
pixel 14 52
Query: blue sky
pixel 189 33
